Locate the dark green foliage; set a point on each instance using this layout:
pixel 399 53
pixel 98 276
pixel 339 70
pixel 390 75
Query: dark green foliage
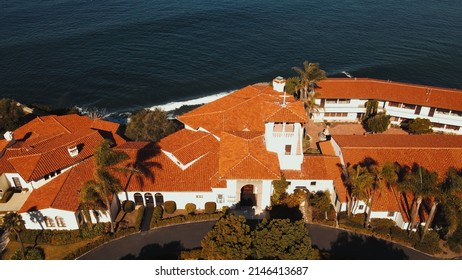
pixel 382 226
pixel 193 254
pixel 11 115
pixel 320 203
pixel 48 109
pixel 105 156
pixel 291 86
pixel 149 125
pixel 378 123
pixel 170 207
pixel 190 208
pixel 283 211
pixel 371 108
pixel 128 206
pixel 420 126
pixel 279 190
pixel 7 195
pixel 158 213
pixel 356 222
pixel 210 207
pixel 281 239
pixel 184 219
pixel 139 217
pixel 31 253
pixel 430 244
pixel 229 239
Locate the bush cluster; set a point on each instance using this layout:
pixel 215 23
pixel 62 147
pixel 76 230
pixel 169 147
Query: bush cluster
pixel 170 207
pixel 210 207
pixel 193 254
pixel 158 213
pixel 182 219
pixel 128 206
pixel 190 208
pixel 382 226
pixel 30 253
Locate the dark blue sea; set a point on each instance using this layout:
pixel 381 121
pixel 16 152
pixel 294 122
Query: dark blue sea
pixel 129 54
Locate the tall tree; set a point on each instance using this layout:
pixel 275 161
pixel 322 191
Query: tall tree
pixel 104 185
pixel 149 125
pixel 281 239
pixel 386 175
pixel 421 183
pixel 11 115
pixel 359 180
pixel 451 202
pixel 310 74
pixel 14 222
pixel 229 239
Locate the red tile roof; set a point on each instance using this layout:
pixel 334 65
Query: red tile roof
pixel 63 192
pixel 391 91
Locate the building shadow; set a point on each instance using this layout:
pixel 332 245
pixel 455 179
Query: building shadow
pixel 169 251
pixel 350 246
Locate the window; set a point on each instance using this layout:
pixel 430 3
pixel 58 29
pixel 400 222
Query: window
pixel 452 127
pixel 60 221
pixel 47 177
pixel 313 183
pixel 220 198
pixel 58 171
pixel 52 174
pixel 443 111
pixel 199 196
pixel 438 125
pixel 288 148
pixel 394 104
pixel 408 106
pixel 390 214
pixel 457 113
pixel 336 114
pixel 49 222
pixel 361 207
pixel 344 101
pixel 331 101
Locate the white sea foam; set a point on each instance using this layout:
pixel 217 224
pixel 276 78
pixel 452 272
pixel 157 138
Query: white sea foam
pixel 198 101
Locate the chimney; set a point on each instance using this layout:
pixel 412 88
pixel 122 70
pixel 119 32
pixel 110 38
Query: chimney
pixel 73 150
pixel 279 83
pixel 9 136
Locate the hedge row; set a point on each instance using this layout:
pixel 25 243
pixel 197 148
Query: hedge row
pixel 92 245
pixel 61 237
pixel 182 219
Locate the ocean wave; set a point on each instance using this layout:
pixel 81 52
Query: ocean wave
pixel 168 107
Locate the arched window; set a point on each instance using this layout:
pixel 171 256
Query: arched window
pixel 60 221
pixel 49 222
pixel 138 199
pixel 159 199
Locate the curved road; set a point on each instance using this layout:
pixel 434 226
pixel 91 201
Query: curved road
pixel 167 242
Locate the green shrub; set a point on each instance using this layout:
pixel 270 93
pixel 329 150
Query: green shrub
pixel 7 195
pixel 193 254
pixel 210 207
pixel 128 206
pixel 190 208
pixel 430 244
pixel 182 219
pixel 158 213
pixel 139 217
pixel 170 207
pixel 382 226
pixel 30 253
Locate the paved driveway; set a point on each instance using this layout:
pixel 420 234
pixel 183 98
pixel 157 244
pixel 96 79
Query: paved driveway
pixel 166 243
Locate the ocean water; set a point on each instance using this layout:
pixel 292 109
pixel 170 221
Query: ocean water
pixel 129 54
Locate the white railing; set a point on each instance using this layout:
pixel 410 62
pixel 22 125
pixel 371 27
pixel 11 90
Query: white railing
pixel 283 134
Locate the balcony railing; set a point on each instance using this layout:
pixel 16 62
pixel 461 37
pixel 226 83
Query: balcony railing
pixel 283 134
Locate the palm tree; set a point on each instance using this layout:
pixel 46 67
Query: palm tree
pixel 451 201
pixel 14 222
pixel 359 179
pixel 309 76
pixel 97 191
pixel 386 175
pixel 421 183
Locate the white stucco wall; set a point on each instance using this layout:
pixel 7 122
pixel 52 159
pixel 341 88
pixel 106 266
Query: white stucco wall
pixel 69 217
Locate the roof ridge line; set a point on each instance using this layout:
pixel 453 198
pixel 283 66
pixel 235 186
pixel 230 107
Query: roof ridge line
pixel 65 128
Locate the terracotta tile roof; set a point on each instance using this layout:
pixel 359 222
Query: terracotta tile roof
pixel 53 155
pixel 41 145
pixel 386 200
pixel 245 110
pixel 391 91
pixel 243 158
pixel 326 148
pixel 187 145
pixel 63 191
pixel 394 141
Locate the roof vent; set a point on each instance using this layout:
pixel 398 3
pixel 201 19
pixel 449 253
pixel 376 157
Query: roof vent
pixel 9 136
pixel 279 83
pixel 73 150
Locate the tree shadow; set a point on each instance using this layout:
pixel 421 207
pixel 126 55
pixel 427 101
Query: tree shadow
pixel 359 247
pixel 155 251
pixel 36 217
pixel 283 211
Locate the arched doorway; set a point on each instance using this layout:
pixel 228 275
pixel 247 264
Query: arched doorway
pixel 159 199
pixel 248 196
pixel 138 199
pixel 149 200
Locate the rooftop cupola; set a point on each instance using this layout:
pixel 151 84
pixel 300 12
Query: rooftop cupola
pixel 279 83
pixel 73 150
